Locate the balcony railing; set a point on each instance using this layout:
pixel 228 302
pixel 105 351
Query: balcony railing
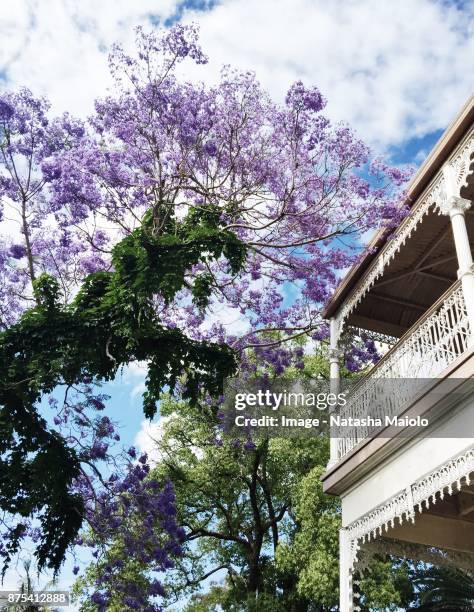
pixel 429 347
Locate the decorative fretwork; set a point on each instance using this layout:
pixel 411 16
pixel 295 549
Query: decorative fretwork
pixel 424 352
pixel 401 506
pixel 384 339
pixel 432 198
pixel 442 481
pixel 462 161
pixel 381 518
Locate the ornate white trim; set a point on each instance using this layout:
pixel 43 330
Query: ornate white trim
pixel 430 348
pixel 391 248
pixel 402 506
pixel 462 163
pixel 452 205
pixel 384 339
pixel 434 196
pixel 446 477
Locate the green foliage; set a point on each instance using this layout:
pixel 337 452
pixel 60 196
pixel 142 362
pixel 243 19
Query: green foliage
pixel 313 556
pixel 446 589
pixel 221 598
pixel 149 263
pixel 258 522
pixel 30 452
pixel 111 322
pixel 312 552
pixel 388 585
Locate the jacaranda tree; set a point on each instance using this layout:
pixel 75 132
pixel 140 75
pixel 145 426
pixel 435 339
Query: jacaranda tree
pixel 122 237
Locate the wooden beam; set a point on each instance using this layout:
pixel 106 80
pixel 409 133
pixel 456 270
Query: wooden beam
pixel 376 325
pixel 419 265
pixel 434 245
pixel 465 504
pixel 400 302
pixel 437 531
pixel 444 279
pixel 400 275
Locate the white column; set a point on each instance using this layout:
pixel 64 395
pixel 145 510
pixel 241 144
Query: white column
pixel 334 377
pixel 346 600
pixel 456 207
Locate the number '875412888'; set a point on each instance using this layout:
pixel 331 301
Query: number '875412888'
pixel 42 598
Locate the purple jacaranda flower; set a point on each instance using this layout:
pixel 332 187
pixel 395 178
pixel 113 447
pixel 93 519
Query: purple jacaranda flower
pixel 6 110
pixel 17 251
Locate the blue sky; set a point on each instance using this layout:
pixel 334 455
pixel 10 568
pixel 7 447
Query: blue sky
pixel 397 72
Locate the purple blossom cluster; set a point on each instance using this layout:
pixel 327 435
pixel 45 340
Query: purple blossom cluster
pixel 114 505
pixel 31 143
pixel 296 190
pixel 361 352
pixel 137 514
pixel 287 182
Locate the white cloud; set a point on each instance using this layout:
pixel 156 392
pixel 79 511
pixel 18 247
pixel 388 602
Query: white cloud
pixel 59 48
pixel 392 69
pixel 231 318
pixel 134 370
pixel 138 389
pixel 149 436
pixel 421 156
pixel 134 375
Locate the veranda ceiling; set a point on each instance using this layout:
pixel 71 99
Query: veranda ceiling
pixel 418 275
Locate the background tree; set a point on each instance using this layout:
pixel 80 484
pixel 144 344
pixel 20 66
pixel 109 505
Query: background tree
pixel 289 185
pixel 173 199
pixel 259 532
pixel 235 503
pixel 445 588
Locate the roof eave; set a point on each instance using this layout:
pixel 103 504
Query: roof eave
pixel 438 155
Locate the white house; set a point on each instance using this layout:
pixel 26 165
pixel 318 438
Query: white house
pixel 413 496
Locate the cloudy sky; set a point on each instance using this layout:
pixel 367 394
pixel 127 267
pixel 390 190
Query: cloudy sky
pixel 397 71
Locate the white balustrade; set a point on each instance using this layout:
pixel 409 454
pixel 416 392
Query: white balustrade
pixel 428 348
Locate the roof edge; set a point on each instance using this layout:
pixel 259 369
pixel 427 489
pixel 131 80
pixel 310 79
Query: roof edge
pixel 437 156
